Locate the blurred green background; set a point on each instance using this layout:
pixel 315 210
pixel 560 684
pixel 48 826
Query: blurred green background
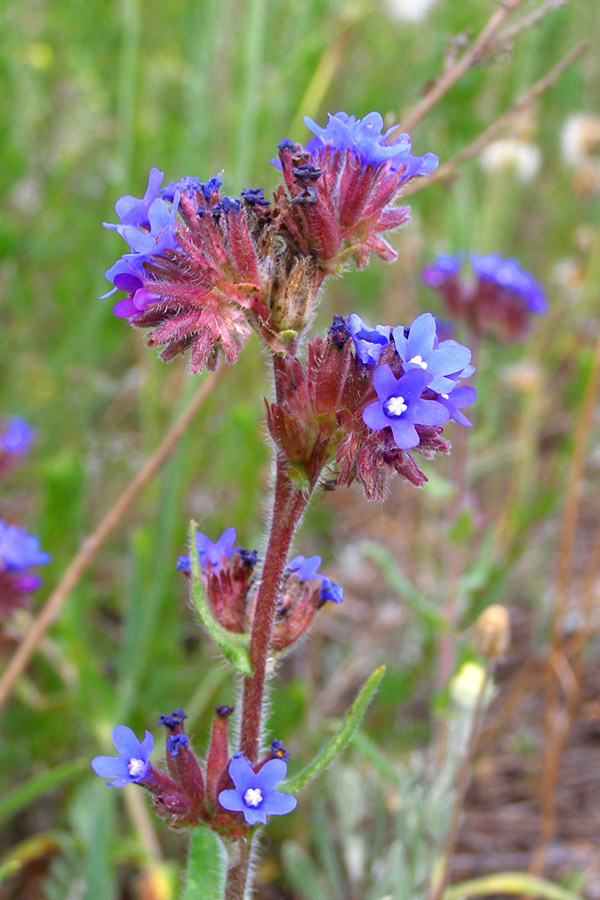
pixel 93 95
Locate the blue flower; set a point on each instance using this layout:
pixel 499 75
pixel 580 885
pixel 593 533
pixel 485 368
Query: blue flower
pixel 17 436
pixel 255 793
pixel 443 266
pixel 209 553
pixel 305 568
pixel 363 137
pixel 175 742
pixel 508 274
pixel 279 750
pixel 133 211
pixel 145 244
pixel 19 550
pixel 255 197
pixel 133 762
pixel 419 348
pixel 400 405
pixel 369 342
pixel 331 590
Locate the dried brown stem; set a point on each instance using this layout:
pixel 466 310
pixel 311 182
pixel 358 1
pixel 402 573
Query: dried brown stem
pixel 492 131
pixel 528 21
pixel 472 54
pixel 91 545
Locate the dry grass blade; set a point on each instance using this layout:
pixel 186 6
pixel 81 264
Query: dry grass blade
pixel 91 545
pixel 448 78
pixel 491 133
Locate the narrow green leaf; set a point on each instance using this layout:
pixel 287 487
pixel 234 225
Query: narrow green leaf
pixel 9 868
pixel 207 866
pixel 232 646
pixel 13 801
pixel 341 737
pixel 398 581
pixel 302 873
pixel 509 883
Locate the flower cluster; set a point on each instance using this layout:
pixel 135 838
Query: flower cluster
pixel 498 299
pixel 19 552
pixel 203 269
pixel 229 793
pixel 366 397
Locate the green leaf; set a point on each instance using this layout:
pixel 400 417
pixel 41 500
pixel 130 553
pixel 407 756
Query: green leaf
pixel 302 873
pixel 509 883
pixel 9 868
pixel 232 646
pixel 207 866
pixel 341 737
pixel 398 581
pixel 13 801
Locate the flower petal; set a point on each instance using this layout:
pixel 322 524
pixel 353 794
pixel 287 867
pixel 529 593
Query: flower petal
pixel 278 803
pixel 109 766
pixel 429 412
pixel 384 382
pixel 271 774
pixel 240 770
pixel 232 801
pixel 405 434
pixel 125 741
pixel 374 417
pixel 421 335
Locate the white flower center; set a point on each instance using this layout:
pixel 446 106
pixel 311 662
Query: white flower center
pixel 419 361
pixel 395 406
pixel 136 767
pixel 445 396
pixel 253 797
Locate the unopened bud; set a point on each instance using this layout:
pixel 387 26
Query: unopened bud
pixel 493 631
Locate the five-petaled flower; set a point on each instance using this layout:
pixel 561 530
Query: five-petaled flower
pixel 400 405
pixel 255 793
pixel 418 348
pixel 133 762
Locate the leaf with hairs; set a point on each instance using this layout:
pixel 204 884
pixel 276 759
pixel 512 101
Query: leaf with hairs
pixel 341 737
pixel 207 866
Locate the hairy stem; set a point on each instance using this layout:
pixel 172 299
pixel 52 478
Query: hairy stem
pixel 237 875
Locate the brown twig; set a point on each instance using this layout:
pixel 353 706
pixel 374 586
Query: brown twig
pixel 559 711
pixel 528 21
pixel 448 78
pixel 94 541
pixel 493 130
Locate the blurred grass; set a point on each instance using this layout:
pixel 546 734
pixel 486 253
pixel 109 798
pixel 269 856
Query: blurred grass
pixel 92 96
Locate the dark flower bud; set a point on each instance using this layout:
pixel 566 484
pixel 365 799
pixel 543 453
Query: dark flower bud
pixel 307 172
pixel 339 331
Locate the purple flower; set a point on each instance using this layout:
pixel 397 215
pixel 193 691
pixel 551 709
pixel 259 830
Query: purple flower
pixel 420 349
pixel 255 793
pixel 133 211
pixel 133 762
pixel 444 266
pixel 331 590
pixel 457 399
pixel 369 342
pixel 19 550
pixel 190 186
pixel 125 278
pixel 144 244
pixel 209 553
pixel 363 137
pixel 255 197
pixel 305 568
pixel 17 436
pixel 508 274
pixel 175 742
pixel 400 405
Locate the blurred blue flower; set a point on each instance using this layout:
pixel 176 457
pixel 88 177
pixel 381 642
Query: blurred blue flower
pixel 419 348
pixel 400 405
pixel 369 342
pixel 255 793
pixel 364 138
pixel 17 435
pixel 508 274
pixel 133 762
pixel 443 266
pixel 19 550
pixel 209 553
